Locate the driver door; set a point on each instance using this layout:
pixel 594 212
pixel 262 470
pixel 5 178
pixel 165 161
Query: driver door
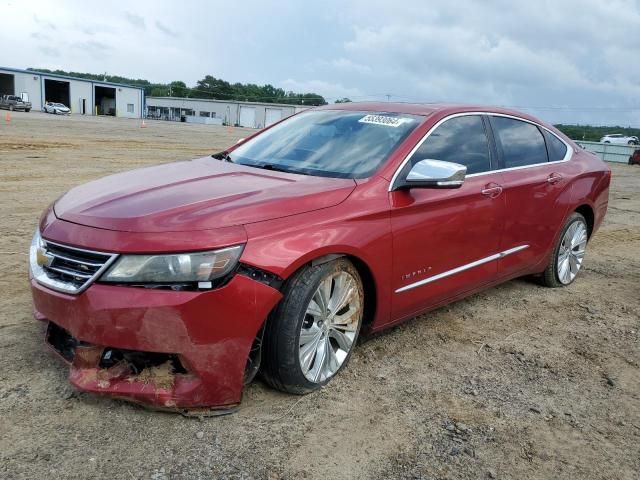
pixel 446 240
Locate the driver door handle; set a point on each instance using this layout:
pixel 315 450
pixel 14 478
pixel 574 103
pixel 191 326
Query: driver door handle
pixel 491 190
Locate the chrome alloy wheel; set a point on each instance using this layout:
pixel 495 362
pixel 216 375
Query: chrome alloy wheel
pixel 571 252
pixel 330 326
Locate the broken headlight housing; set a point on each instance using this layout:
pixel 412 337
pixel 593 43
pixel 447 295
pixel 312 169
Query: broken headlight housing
pixel 201 268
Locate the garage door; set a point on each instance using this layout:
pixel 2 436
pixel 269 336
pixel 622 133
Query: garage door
pixel 272 116
pixel 247 117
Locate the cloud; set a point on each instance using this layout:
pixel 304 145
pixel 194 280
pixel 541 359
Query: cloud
pixel 49 51
pixel 166 30
pixel 328 89
pixel 135 20
pixel 570 61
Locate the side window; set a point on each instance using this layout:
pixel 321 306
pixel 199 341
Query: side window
pixel 521 142
pixel 460 140
pixel 555 147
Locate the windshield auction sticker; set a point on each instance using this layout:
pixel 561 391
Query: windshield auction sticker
pixel 383 120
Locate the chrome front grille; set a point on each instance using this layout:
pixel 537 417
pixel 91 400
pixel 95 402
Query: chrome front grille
pixel 67 269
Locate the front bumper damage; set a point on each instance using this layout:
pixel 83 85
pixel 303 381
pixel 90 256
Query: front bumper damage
pixel 175 350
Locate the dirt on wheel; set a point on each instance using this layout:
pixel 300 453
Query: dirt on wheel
pixel 517 382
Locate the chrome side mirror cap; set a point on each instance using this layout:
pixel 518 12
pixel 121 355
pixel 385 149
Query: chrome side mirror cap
pixel 431 173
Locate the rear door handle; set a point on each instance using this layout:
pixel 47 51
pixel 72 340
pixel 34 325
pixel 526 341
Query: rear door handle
pixel 554 178
pixel 492 190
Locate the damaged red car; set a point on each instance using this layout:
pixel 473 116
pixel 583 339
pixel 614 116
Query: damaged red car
pixel 173 285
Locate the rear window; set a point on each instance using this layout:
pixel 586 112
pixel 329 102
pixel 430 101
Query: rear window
pixel 521 142
pixel 555 147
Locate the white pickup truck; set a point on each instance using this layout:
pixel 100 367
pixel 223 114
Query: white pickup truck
pixel 13 102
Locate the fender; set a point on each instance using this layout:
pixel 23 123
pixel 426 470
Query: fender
pixel 285 245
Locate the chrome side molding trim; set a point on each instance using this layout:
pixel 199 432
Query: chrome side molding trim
pixel 462 268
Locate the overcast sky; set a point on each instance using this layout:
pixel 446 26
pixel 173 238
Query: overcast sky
pixel 564 60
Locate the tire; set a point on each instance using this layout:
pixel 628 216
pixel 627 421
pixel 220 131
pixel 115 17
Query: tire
pixel 285 366
pixel 28 110
pixel 11 108
pixel 556 274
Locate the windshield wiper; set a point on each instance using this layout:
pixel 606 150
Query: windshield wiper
pixel 224 156
pixel 276 168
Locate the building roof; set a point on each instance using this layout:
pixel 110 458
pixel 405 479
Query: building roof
pixel 213 100
pixel 68 77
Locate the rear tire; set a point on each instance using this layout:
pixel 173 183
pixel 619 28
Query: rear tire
pixel 568 254
pixel 311 334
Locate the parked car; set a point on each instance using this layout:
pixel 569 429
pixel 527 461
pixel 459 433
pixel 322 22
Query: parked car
pixel 619 138
pixel 634 159
pixel 173 285
pixel 13 102
pixel 56 108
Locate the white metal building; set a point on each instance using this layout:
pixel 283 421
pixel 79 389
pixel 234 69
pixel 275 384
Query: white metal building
pixel 86 97
pixel 227 112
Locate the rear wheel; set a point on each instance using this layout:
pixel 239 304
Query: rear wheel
pixel 568 254
pixel 312 333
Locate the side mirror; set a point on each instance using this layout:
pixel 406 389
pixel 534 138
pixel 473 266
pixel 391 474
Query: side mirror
pixel 433 174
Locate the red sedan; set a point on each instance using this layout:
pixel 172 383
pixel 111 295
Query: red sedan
pixel 174 285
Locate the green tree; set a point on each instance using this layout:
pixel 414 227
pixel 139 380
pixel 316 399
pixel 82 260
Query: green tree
pixel 179 89
pixel 343 100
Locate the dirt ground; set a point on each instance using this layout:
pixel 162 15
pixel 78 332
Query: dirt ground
pixel 517 382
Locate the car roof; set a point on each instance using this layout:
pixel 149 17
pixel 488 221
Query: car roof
pixel 425 109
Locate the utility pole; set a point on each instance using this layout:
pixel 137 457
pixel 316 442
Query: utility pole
pixel 388 97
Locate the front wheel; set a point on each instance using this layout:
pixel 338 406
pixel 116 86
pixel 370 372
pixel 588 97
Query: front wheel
pixel 568 254
pixel 310 336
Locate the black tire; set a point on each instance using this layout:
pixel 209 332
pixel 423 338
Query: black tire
pixel 280 349
pixel 28 110
pixel 550 277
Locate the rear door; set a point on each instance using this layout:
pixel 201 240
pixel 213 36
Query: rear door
pixel 445 241
pixel 533 190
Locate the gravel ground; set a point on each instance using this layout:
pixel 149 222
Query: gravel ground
pixel 516 382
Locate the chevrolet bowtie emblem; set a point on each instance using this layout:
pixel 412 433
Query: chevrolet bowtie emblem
pixel 42 258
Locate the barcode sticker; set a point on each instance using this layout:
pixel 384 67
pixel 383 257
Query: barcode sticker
pixel 383 120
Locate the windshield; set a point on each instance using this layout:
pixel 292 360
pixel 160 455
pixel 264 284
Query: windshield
pixel 331 143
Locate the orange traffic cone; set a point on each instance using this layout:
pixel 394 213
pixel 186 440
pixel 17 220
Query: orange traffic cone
pixel 143 125
pixel 7 118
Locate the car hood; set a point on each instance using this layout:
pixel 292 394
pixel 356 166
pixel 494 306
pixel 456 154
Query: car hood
pixel 196 195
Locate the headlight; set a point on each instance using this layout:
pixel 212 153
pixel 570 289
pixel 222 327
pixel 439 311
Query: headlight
pixel 36 255
pixel 175 268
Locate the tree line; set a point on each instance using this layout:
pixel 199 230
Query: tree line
pixel 208 87
pixel 594 134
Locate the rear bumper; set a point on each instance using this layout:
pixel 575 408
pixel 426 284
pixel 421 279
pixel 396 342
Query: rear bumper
pixel 210 332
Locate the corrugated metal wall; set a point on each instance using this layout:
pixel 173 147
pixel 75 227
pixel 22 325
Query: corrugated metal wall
pixel 610 152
